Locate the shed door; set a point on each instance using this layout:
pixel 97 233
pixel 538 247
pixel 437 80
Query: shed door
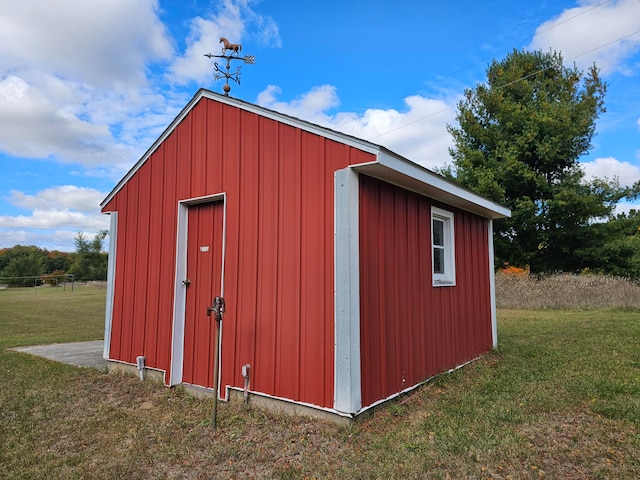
pixel 204 264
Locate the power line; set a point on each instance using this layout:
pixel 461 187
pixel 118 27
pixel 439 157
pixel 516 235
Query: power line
pixel 571 18
pixel 450 75
pixel 505 85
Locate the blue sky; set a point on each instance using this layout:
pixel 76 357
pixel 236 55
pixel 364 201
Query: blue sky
pixel 86 87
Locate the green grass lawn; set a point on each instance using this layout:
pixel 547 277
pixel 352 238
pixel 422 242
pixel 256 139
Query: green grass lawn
pixel 560 398
pixel 31 316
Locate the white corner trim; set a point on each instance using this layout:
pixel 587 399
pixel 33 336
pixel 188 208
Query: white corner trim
pixel 180 294
pixel 347 375
pixel 111 278
pixel 492 287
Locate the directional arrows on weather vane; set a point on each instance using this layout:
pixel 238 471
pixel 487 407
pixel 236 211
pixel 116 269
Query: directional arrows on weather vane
pixel 226 73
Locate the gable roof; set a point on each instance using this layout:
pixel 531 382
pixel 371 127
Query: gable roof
pixel 389 166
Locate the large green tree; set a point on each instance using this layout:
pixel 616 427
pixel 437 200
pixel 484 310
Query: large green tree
pixel 90 262
pixel 517 141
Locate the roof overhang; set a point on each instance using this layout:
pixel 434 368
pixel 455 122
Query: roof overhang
pixel 399 171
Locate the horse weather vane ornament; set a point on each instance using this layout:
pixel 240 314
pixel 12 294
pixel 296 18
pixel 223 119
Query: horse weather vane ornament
pixel 235 49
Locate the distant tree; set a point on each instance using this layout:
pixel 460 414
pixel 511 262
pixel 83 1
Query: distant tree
pixel 518 140
pixel 90 262
pixel 4 258
pixel 29 265
pixel 56 261
pixel 613 247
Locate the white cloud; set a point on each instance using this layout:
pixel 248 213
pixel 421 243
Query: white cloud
pixel 62 240
pixel 585 34
pixel 32 126
pixel 625 208
pixel 102 43
pixel 611 168
pixel 76 84
pixel 74 80
pixel 419 133
pixel 50 219
pixel 231 20
pixel 311 106
pixel 56 215
pixel 56 198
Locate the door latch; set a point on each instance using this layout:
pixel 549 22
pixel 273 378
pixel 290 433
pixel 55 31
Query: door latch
pixel 186 282
pixel 217 309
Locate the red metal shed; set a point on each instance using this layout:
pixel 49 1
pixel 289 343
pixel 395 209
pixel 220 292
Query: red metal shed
pixel 350 273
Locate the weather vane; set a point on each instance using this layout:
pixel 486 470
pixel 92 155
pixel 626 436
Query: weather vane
pixel 235 49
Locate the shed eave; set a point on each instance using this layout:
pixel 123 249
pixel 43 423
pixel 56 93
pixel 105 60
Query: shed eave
pixel 404 173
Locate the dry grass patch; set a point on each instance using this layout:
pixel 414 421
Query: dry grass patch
pixel 565 291
pixel 580 445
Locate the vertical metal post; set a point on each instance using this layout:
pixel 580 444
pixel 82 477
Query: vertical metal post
pixel 217 309
pixel 216 361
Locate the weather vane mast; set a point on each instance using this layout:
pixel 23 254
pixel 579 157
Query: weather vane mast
pixel 235 49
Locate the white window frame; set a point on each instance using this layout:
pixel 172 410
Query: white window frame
pixel 448 278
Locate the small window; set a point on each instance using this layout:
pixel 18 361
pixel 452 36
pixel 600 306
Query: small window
pixel 443 248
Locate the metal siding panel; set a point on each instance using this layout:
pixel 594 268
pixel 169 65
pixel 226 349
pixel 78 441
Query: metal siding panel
pixel 391 292
pixel 183 138
pixel 115 346
pixel 165 282
pixel 288 336
pixel 141 261
pixel 230 136
pixel 467 313
pixel 198 146
pixel 369 320
pixel 355 156
pixel 264 368
pixel 313 275
pixel 154 272
pixel 214 156
pixel 247 308
pixel 410 329
pixel 130 283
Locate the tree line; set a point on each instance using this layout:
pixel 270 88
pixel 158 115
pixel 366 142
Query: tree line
pixel 517 141
pixel 88 262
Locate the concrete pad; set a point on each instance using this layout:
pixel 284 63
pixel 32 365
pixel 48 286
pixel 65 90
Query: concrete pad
pixel 80 354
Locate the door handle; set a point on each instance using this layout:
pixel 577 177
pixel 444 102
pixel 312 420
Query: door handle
pixel 186 282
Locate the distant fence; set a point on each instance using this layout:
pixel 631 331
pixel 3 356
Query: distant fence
pixel 56 280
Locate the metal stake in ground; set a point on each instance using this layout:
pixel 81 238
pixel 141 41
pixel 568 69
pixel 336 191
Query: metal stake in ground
pixel 235 48
pixel 217 309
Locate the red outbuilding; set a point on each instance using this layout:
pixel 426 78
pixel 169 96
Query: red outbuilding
pixel 349 273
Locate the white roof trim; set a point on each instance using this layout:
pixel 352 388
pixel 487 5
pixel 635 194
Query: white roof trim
pixel 389 167
pixel 399 171
pixel 249 107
